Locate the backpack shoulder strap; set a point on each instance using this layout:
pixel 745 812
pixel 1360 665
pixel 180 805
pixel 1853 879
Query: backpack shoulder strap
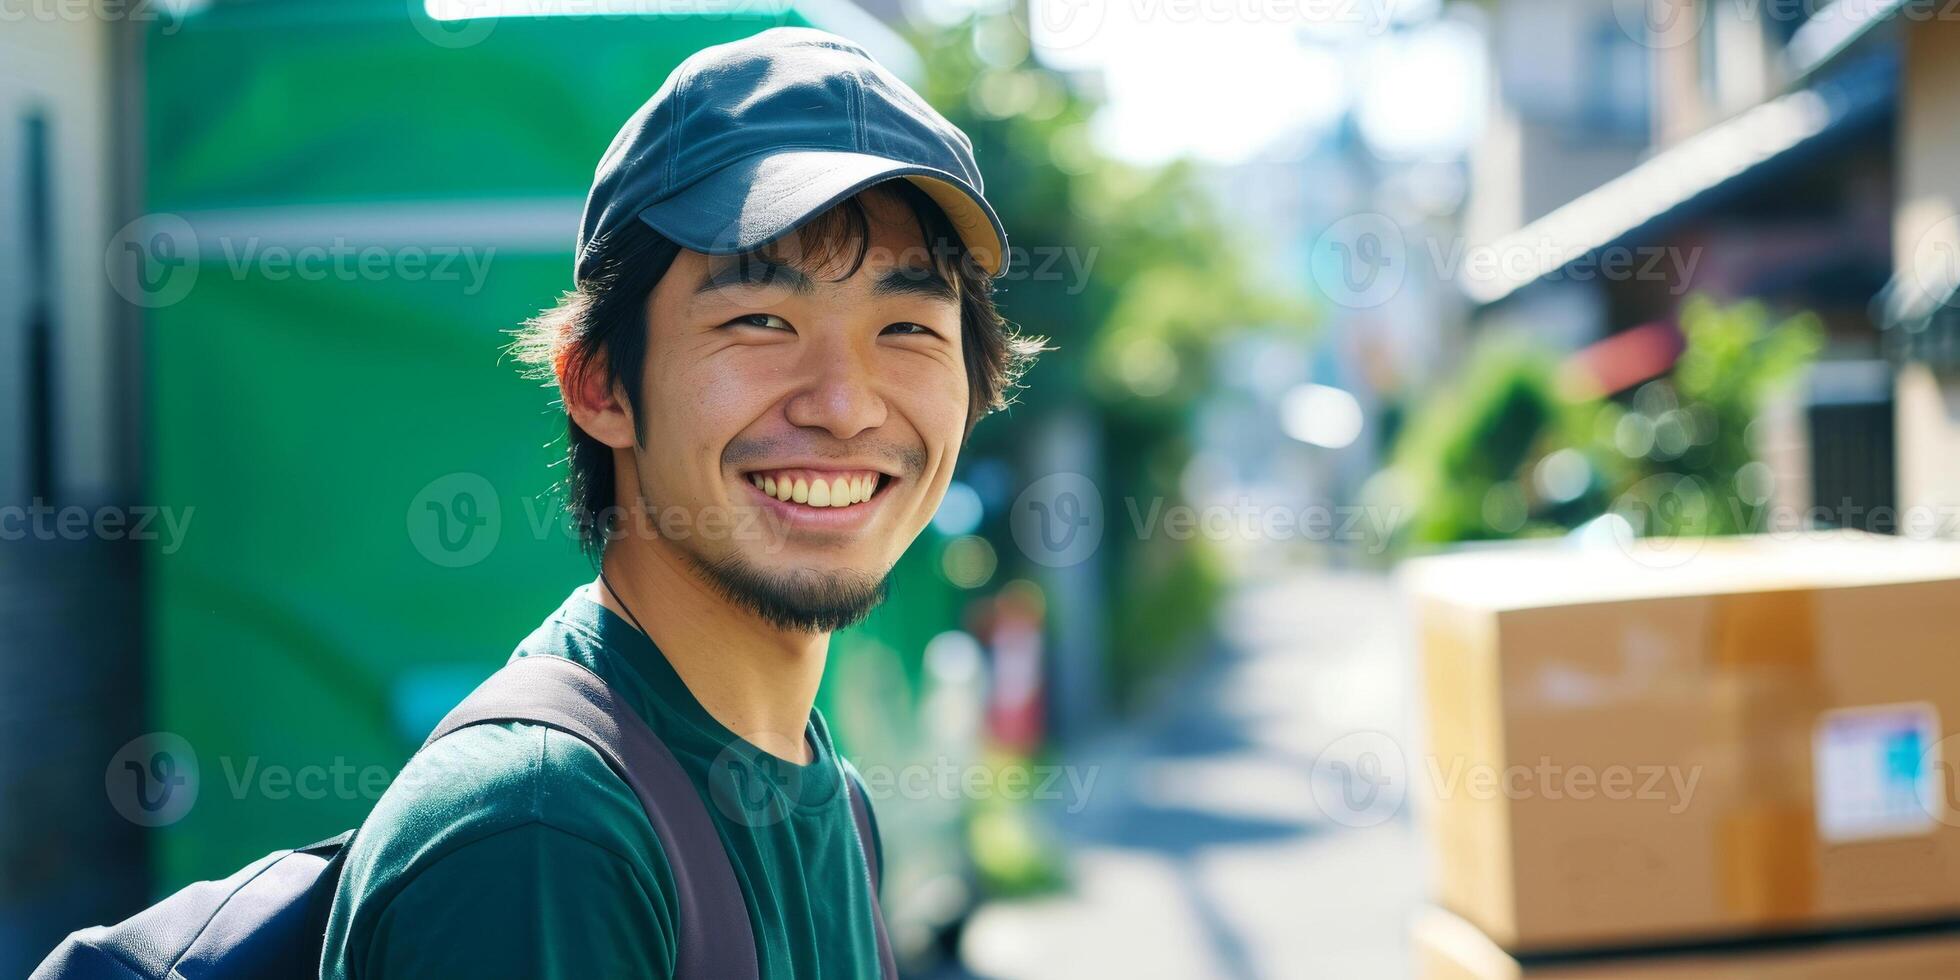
pixel 715 940
pixel 868 842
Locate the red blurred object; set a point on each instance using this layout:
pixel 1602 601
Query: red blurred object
pixel 1012 631
pixel 1623 360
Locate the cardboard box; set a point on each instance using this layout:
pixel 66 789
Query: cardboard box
pixel 1719 737
pixel 1448 948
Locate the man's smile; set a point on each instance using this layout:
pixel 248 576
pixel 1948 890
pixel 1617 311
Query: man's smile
pixel 818 488
pixel 843 499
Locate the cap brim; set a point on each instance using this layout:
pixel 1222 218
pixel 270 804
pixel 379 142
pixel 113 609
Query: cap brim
pixel 756 200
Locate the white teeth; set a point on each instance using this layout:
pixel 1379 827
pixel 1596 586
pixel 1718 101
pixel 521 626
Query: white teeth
pixel 839 491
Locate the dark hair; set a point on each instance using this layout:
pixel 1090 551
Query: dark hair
pixel 602 321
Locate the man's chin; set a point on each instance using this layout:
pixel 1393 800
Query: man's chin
pixel 802 599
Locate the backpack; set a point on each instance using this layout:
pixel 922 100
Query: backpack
pixel 269 919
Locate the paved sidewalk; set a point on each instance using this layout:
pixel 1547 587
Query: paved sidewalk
pixel 1223 837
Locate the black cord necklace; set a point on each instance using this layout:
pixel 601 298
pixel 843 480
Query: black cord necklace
pixel 635 620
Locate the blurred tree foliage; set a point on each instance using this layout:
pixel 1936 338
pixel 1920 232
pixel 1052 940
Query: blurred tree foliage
pixel 1510 451
pixel 1134 280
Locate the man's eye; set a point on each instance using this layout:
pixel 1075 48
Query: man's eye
pixel 908 329
pixel 768 321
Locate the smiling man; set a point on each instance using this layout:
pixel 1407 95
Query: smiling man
pixel 781 334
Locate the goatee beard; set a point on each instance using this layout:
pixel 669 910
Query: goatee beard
pixel 800 601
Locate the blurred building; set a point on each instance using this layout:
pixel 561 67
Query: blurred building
pixel 67 109
pixel 1922 307
pixel 1753 145
pixel 70 142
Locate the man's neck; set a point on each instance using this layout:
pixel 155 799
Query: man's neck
pixel 757 680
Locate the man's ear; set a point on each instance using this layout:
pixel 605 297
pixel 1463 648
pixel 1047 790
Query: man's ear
pixel 597 403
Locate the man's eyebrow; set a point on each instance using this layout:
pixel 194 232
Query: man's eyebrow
pixel 753 272
pixel 904 280
pixel 912 280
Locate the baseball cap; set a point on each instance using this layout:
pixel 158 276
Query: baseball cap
pixel 747 141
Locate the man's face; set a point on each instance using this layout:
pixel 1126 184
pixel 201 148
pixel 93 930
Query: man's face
pixel 823 414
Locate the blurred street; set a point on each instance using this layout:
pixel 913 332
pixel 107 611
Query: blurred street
pixel 1202 851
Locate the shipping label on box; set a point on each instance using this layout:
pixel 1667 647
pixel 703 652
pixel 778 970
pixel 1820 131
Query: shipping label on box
pixel 1878 772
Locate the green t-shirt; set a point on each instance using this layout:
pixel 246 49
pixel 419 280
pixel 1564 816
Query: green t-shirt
pixel 513 850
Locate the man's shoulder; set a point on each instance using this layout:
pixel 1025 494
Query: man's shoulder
pixel 507 822
pixel 492 777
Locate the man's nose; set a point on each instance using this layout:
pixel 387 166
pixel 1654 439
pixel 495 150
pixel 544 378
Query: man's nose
pixel 839 393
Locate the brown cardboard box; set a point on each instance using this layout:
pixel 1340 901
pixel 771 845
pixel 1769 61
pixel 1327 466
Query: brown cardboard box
pixel 1691 738
pixel 1448 948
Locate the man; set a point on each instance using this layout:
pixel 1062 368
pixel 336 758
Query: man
pixel 781 334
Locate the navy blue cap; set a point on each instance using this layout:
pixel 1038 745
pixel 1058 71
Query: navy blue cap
pixel 747 141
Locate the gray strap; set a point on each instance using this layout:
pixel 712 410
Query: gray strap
pixel 860 812
pixel 715 941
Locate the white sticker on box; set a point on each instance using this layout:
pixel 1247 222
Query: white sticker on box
pixel 1877 772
